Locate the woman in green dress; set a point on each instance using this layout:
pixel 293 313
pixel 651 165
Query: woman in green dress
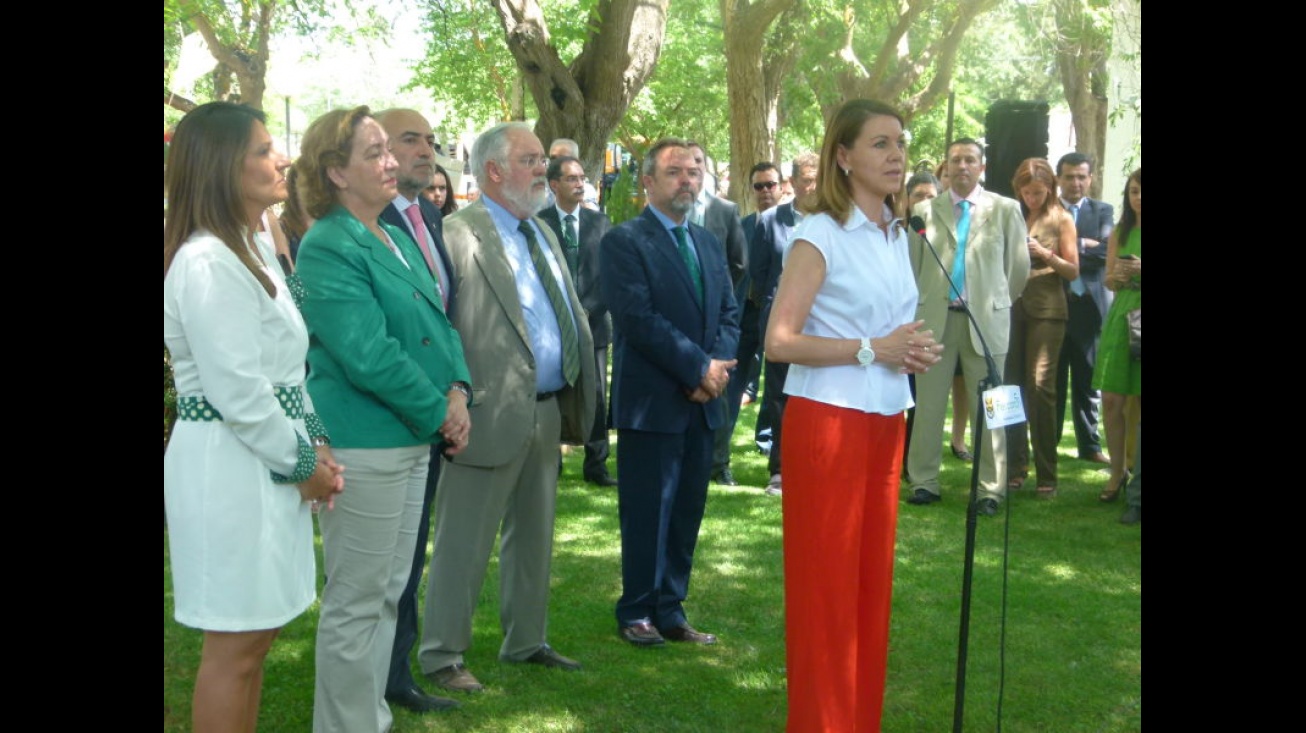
pixel 1117 373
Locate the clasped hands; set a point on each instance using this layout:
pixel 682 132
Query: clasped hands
pixel 457 426
pixel 909 349
pixel 328 479
pixel 1127 269
pixel 714 381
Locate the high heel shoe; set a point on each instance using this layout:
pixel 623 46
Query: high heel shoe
pixel 1112 491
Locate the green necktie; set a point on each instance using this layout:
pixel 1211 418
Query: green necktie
pixel 691 262
pixel 959 259
pixel 570 343
pixel 569 246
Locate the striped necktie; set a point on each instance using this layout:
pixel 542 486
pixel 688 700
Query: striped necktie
pixel 570 342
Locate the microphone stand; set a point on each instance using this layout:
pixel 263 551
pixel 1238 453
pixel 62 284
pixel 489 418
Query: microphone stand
pixel 991 381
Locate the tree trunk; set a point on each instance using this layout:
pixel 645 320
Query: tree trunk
pixel 752 100
pixel 247 57
pixel 1082 50
pixel 586 99
pixel 177 102
pixel 892 72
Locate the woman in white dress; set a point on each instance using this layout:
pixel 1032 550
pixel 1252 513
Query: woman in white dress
pixel 247 455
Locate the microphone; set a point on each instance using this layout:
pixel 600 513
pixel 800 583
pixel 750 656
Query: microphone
pixel 918 225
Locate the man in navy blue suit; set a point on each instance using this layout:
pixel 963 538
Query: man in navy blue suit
pixel 676 329
pixel 1087 299
pixel 413 145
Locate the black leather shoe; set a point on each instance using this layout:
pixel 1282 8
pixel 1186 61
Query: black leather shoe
pixel 1132 515
pixel 601 480
pixel 545 656
pixel 641 633
pixel 416 700
pixel 921 496
pixel 685 632
pixel 987 507
pixel 725 478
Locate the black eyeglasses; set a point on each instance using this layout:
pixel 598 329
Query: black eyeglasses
pixel 763 185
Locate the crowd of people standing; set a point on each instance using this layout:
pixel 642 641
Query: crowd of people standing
pixel 406 370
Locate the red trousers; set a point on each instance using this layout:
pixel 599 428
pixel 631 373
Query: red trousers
pixel 841 470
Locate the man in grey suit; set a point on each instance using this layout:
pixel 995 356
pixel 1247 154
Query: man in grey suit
pixel 721 217
pixel 981 237
pixel 579 229
pixel 1087 300
pixel 527 341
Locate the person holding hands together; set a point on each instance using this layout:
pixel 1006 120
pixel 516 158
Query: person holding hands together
pixel 842 319
pixel 248 456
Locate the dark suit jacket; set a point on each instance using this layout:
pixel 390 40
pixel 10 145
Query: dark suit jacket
pixel 434 232
pixel 593 225
pixel 663 338
pixel 498 347
pixel 766 254
pixel 721 217
pixel 1095 221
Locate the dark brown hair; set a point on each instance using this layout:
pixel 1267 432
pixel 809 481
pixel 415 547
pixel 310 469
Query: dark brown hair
pixel 206 160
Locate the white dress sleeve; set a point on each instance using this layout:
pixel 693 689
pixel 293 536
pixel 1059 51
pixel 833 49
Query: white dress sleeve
pixel 221 305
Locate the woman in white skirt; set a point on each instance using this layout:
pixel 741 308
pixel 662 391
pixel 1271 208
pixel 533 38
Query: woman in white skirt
pixel 247 457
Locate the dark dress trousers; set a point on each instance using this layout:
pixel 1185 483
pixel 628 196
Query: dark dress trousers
pixel 401 675
pixel 1087 312
pixel 593 225
pixel 721 217
pixel 766 261
pixel 663 340
pixel 749 354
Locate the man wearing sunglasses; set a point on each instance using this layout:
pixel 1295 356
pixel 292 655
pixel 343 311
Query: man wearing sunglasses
pixel 766 179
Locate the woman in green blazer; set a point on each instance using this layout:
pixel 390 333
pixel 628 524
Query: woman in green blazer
pixel 387 374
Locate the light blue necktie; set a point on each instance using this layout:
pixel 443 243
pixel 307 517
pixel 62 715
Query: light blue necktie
pixel 959 260
pixel 1076 285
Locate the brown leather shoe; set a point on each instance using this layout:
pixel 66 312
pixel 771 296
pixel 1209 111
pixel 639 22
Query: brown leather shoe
pixel 1098 457
pixel 685 632
pixel 641 633
pixel 545 656
pixel 455 677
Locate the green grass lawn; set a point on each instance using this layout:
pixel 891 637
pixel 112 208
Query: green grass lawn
pixel 1073 656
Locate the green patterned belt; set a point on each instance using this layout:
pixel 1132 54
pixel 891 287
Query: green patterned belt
pixel 200 410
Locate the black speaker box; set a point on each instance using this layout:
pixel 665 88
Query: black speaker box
pixel 1013 131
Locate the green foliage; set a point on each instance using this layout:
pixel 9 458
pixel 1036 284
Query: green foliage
pixel 467 68
pixel 686 96
pixel 624 200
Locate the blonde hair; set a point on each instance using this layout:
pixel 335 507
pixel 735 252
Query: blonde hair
pixel 326 145
pixel 833 192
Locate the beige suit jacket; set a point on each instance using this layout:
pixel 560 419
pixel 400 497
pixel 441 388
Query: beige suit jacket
pixel 997 265
pixel 497 346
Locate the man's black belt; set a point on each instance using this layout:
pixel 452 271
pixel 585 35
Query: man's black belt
pixel 956 307
pixel 542 396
